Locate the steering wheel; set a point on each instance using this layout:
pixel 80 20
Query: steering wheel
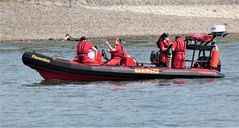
pixel 104 55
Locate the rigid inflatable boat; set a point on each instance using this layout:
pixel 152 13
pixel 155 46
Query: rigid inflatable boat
pixel 54 68
pixel 204 63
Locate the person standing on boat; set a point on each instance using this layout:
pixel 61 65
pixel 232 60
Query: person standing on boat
pixel 85 51
pixel 179 51
pixel 116 52
pixel 164 45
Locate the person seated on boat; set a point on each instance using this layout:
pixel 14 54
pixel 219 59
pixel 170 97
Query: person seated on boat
pixel 116 52
pixel 164 45
pixel 179 51
pixel 85 51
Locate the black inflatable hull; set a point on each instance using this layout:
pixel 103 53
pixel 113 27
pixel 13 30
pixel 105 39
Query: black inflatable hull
pixel 54 68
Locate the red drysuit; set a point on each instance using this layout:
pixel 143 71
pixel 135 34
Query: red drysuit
pixel 161 44
pixel 82 50
pixel 116 56
pixel 179 50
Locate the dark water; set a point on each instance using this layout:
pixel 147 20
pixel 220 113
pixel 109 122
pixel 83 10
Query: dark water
pixel 27 101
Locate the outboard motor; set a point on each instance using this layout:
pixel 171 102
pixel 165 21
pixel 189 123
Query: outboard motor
pixel 152 56
pixel 155 58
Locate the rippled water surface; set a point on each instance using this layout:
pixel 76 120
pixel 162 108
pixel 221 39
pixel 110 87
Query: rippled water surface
pixel 28 101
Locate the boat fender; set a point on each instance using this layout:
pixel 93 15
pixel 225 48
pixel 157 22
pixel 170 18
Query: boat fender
pixel 215 57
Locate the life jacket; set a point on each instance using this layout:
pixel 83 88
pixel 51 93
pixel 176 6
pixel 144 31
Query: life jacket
pixel 82 50
pixel 118 52
pixel 83 47
pixel 179 45
pixel 162 44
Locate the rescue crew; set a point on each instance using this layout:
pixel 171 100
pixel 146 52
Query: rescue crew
pixel 164 45
pixel 179 51
pixel 116 52
pixel 85 51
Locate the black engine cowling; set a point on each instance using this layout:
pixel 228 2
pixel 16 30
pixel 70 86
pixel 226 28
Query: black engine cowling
pixel 155 58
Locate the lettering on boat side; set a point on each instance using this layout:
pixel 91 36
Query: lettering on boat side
pixel 41 59
pixel 147 71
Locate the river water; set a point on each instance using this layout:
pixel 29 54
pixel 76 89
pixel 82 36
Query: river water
pixel 28 101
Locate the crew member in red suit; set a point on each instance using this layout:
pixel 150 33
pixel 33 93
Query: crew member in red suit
pixel 179 51
pixel 164 45
pixel 116 52
pixel 84 50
